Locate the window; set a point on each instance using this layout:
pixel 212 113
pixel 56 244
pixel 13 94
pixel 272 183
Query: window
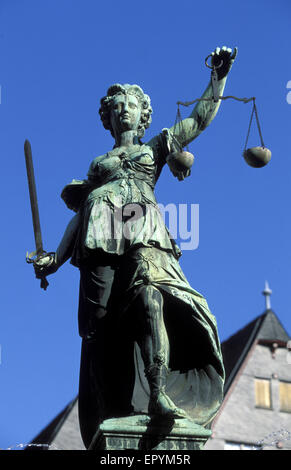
pixel 285 396
pixel 263 393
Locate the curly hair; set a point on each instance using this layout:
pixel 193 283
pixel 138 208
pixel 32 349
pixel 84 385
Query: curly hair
pixel 144 100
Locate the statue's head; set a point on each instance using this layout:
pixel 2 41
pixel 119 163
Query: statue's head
pixel 126 107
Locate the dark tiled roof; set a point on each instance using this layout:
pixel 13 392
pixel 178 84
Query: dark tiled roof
pixel 266 327
pixel 272 329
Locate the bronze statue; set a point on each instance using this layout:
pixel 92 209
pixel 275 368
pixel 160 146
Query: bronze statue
pixel 132 288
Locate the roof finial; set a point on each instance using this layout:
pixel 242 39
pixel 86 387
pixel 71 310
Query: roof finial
pixel 267 293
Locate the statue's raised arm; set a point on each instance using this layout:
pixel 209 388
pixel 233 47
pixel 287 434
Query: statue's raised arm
pixel 205 111
pixel 206 107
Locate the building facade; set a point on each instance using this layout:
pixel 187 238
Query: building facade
pixel 256 411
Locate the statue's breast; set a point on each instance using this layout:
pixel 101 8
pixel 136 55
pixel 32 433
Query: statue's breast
pixel 118 160
pixel 143 156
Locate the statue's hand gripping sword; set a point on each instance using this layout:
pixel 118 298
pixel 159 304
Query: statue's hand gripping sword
pixel 39 254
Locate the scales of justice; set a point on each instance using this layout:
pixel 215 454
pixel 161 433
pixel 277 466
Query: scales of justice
pixel 142 298
pixel 256 157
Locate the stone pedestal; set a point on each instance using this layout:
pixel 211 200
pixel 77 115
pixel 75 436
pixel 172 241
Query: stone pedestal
pixel 140 432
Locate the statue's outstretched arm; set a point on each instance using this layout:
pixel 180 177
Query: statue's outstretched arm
pixel 205 111
pixel 53 261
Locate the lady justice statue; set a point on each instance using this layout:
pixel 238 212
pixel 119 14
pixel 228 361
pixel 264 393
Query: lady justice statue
pixel 132 289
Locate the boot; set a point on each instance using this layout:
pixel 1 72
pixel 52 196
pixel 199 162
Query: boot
pixel 160 404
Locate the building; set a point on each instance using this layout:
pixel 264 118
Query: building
pixel 256 411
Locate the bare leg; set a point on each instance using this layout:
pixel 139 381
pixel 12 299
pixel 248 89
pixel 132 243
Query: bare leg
pixel 154 345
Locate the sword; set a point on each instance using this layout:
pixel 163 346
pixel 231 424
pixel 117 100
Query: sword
pixel 39 253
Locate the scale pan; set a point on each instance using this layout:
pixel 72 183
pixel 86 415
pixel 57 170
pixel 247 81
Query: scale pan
pixel 257 157
pixel 181 160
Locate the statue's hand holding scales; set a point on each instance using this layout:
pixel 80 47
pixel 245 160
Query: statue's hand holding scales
pixel 222 59
pixel 179 160
pixel 206 109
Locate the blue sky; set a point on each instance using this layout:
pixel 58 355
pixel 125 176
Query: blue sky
pixel 57 60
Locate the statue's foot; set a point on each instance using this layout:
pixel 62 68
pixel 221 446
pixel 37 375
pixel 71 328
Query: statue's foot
pixel 161 405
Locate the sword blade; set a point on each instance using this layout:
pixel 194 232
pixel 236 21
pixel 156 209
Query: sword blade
pixel 33 198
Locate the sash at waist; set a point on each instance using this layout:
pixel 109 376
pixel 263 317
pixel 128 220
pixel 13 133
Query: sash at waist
pixel 132 176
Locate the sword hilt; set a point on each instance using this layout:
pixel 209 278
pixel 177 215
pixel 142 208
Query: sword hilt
pixel 32 258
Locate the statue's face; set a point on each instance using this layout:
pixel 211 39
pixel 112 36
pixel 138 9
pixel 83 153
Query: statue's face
pixel 125 113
